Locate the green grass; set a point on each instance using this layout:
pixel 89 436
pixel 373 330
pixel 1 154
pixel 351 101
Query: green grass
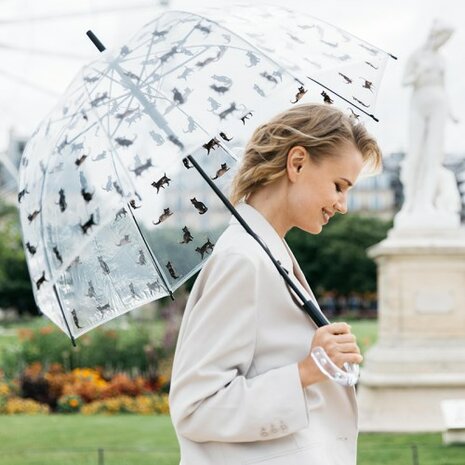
pixel 396 449
pixel 148 440
pixel 76 439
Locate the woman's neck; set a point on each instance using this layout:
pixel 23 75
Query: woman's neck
pixel 271 203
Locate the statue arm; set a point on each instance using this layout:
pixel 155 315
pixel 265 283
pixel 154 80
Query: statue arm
pixel 411 71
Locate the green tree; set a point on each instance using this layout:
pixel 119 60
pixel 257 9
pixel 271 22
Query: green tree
pixel 15 284
pixel 336 259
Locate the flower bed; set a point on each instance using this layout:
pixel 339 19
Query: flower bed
pixel 86 390
pixel 142 405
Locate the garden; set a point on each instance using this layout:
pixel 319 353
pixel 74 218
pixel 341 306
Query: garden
pixel 106 400
pixel 112 370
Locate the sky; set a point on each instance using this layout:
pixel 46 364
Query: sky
pixel 43 46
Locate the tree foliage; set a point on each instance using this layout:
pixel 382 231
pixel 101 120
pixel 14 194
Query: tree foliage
pixel 336 259
pixel 15 284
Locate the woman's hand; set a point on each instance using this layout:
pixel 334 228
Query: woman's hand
pixel 340 345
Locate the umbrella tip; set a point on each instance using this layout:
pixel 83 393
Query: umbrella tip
pixel 95 41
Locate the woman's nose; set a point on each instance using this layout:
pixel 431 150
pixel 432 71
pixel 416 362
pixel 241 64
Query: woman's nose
pixel 341 204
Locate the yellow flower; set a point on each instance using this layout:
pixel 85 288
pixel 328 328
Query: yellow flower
pixel 29 406
pixel 4 389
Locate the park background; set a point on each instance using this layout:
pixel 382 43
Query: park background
pixel 105 401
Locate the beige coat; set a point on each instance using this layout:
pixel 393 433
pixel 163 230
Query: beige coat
pixel 236 396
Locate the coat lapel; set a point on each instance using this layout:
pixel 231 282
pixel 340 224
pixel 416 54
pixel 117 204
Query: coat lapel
pixel 266 232
pixel 277 246
pixel 298 273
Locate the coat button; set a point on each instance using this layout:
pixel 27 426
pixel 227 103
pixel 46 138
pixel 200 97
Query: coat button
pixel 263 433
pixel 283 426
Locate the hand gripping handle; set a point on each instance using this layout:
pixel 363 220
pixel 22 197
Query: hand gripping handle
pixel 347 377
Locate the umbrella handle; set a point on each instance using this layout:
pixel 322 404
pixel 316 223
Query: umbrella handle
pixel 347 377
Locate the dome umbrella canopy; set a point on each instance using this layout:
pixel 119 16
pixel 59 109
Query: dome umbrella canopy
pixel 113 213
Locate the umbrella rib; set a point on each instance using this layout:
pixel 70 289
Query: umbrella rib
pixel 73 341
pixel 112 147
pixel 120 97
pixel 155 261
pixel 247 42
pixel 150 48
pixel 131 98
pixel 343 98
pixel 113 151
pixel 47 261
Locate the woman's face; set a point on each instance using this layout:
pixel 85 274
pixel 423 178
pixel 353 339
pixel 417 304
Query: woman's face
pixel 318 191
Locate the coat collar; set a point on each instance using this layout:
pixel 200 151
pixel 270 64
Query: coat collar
pixel 266 232
pixel 278 247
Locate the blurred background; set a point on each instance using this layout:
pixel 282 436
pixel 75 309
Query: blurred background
pixel 43 45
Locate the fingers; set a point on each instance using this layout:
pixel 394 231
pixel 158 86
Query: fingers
pixel 344 338
pixel 339 343
pixel 348 348
pixel 344 353
pixel 342 359
pixel 338 328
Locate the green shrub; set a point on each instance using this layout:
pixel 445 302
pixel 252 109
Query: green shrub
pixel 132 350
pixel 336 259
pixel 70 404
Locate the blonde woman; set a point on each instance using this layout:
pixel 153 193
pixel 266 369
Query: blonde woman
pixel 244 388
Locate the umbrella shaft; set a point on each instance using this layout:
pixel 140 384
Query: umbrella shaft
pixel 307 305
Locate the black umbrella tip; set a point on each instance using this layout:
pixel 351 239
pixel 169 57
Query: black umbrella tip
pixel 95 41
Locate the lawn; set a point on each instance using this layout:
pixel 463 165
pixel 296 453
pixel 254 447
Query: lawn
pixel 76 440
pixel 147 440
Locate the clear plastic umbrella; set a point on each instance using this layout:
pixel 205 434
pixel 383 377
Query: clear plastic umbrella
pixel 113 212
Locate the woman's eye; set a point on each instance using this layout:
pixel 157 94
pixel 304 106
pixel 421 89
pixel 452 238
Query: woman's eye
pixel 338 188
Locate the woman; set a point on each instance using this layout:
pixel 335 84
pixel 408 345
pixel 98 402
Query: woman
pixel 245 389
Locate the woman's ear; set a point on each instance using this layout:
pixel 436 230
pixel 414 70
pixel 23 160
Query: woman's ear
pixel 296 158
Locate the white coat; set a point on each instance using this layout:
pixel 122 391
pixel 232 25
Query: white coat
pixel 236 397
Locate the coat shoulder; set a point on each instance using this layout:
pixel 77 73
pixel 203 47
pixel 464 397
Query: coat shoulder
pixel 236 241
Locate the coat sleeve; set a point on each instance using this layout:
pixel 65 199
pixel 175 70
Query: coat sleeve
pixel 210 397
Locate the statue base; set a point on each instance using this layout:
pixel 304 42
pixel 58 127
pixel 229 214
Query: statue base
pixel 419 359
pixel 418 221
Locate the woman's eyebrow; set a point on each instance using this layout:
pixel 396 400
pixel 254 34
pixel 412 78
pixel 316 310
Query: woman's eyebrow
pixel 347 181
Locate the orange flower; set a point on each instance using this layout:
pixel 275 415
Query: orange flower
pixel 33 371
pixel 111 334
pixel 46 330
pixel 73 403
pixel 25 334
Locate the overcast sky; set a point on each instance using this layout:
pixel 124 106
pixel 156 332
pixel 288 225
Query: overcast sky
pixel 43 45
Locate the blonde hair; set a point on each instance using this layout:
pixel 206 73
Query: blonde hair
pixel 321 129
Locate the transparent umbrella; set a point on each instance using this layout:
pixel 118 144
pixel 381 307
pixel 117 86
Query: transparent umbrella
pixel 114 206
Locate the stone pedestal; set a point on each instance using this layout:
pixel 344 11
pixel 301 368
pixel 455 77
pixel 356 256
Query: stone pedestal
pixel 419 359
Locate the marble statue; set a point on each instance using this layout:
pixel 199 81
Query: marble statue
pixel 431 196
